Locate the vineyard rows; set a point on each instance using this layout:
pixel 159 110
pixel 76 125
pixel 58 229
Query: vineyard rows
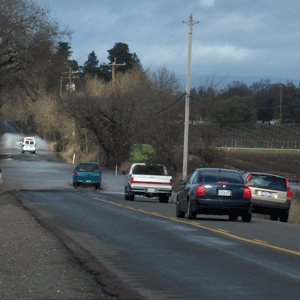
pixel 259 136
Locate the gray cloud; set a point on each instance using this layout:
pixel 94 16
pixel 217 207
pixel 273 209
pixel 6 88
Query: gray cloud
pixel 257 38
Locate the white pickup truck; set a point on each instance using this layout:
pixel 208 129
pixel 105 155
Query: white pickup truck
pixel 148 180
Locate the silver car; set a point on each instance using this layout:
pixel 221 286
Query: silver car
pixel 271 194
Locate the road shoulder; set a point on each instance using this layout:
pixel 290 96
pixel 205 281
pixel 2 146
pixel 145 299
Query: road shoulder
pixel 39 262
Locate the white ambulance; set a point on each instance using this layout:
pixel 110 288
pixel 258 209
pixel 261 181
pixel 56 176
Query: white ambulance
pixel 28 145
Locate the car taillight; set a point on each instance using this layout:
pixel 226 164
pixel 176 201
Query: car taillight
pixel 131 180
pixel 247 193
pixel 248 178
pixel 171 182
pixel 76 174
pixel 200 191
pixel 288 191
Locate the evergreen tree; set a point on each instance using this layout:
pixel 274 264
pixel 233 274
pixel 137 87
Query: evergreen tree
pixel 92 68
pixel 120 54
pixel 92 61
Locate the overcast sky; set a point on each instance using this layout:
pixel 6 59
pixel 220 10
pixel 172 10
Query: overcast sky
pixel 238 38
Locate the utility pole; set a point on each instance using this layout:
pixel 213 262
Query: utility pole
pixel 70 75
pixel 280 106
pixel 187 100
pixel 113 66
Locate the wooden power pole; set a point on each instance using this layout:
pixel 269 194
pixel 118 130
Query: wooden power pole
pixel 187 100
pixel 280 106
pixel 113 66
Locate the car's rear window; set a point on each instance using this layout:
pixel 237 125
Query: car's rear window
pixel 88 168
pixel 267 182
pixel 219 176
pixel 149 170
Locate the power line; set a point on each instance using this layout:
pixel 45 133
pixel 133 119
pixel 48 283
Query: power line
pixel 262 19
pixel 164 109
pixel 161 47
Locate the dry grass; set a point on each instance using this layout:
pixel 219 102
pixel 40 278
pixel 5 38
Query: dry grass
pixel 277 162
pixel 294 216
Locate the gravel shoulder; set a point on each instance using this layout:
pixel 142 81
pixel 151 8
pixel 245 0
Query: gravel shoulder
pixel 39 262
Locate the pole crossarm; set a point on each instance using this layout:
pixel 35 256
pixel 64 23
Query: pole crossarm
pixel 113 66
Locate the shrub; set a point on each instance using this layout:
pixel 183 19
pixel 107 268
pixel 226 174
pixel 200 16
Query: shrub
pixel 141 153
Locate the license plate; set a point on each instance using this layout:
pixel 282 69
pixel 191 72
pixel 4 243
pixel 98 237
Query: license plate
pixel 224 193
pixel 266 194
pixel 88 181
pixel 151 190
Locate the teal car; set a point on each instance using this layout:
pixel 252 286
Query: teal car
pixel 87 173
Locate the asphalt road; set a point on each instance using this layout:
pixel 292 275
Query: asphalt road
pixel 150 250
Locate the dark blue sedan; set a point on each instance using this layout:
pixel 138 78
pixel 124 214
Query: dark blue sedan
pixel 214 191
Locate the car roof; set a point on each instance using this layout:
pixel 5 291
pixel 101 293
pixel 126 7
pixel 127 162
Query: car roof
pixel 264 173
pixel 217 169
pixel 88 162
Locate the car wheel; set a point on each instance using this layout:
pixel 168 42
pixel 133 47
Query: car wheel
pixel 131 195
pixel 233 217
pixel 163 199
pixel 75 185
pixel 126 194
pixel 179 213
pixel 284 215
pixel 247 217
pixel 191 215
pixel 97 186
pixel 274 217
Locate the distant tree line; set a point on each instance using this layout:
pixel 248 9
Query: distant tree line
pixel 239 104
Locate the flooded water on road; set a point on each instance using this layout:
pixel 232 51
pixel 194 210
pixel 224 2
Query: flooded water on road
pixel 43 170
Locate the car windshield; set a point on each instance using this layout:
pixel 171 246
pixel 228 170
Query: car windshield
pixel 267 182
pixel 149 170
pixel 221 176
pixel 88 168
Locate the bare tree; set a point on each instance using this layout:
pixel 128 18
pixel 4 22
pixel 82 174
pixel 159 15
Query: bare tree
pixel 143 109
pixel 28 37
pixel 112 117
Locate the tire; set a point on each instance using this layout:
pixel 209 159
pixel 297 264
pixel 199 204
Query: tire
pixel 191 215
pixel 126 194
pixel 274 217
pixel 284 215
pixel 179 213
pixel 97 186
pixel 130 194
pixel 163 199
pixel 247 217
pixel 75 185
pixel 233 217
